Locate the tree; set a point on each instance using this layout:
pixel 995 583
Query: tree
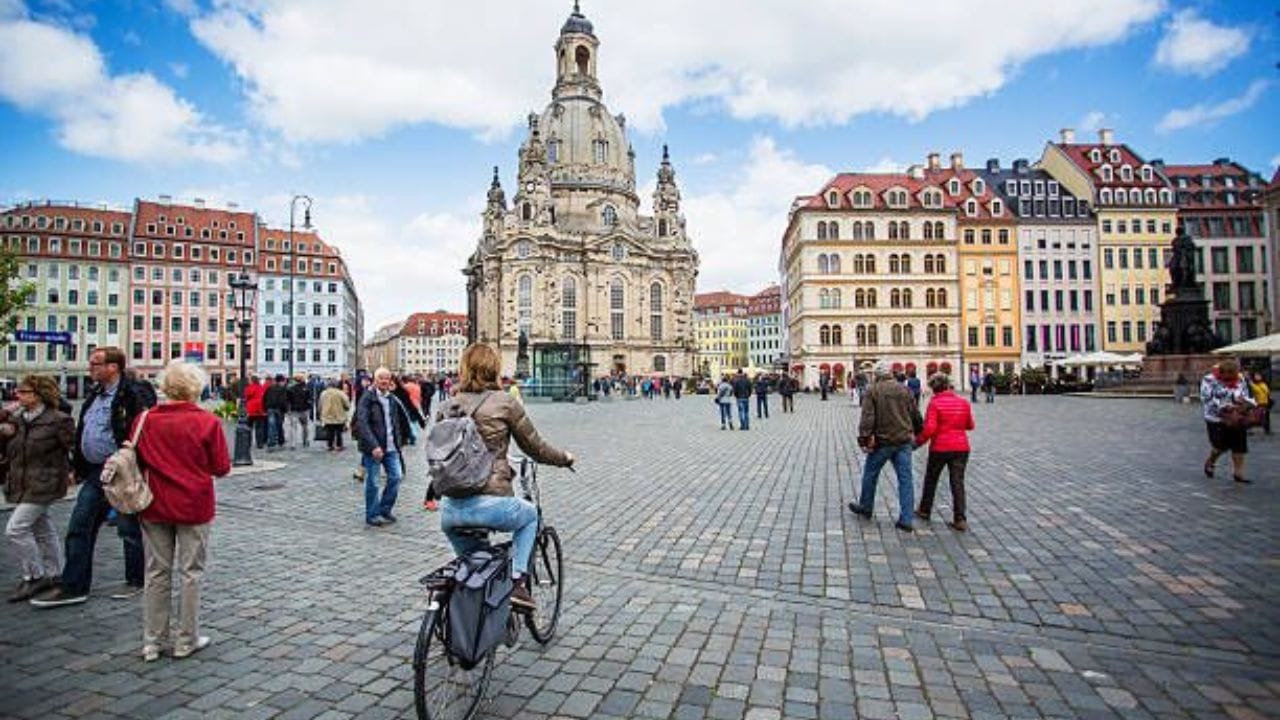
pixel 16 297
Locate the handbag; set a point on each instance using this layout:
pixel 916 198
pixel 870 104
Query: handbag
pixel 124 482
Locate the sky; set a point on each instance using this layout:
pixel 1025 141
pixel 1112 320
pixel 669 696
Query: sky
pixel 392 113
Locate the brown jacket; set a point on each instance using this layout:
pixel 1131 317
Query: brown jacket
pixel 500 419
pixel 886 414
pixel 39 458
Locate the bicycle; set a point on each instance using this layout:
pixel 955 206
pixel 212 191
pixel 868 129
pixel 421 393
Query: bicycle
pixel 444 687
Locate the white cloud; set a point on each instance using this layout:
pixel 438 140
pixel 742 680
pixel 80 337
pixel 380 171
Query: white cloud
pixel 350 69
pixel 1196 46
pixel 883 165
pixel 1275 163
pixel 737 230
pixel 1092 120
pixel 705 158
pixel 53 71
pixel 179 70
pixel 1205 114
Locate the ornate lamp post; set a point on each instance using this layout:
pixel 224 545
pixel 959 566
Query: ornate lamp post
pixel 244 293
pixel 306 225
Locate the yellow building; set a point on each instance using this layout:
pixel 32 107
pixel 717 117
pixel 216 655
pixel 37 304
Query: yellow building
pixel 720 327
pixel 988 268
pixel 1136 218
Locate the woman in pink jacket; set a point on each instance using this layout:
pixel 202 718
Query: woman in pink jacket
pixel 946 426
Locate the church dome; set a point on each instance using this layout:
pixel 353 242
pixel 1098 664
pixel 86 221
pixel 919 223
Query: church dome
pixel 577 23
pixel 586 146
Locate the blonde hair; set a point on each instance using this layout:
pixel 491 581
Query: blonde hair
pixel 479 369
pixel 44 387
pixel 182 381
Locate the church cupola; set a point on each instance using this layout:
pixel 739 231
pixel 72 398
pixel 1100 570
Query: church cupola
pixel 576 58
pixel 666 200
pixel 497 198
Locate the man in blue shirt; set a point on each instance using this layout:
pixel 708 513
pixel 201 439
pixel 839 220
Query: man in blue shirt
pixel 108 413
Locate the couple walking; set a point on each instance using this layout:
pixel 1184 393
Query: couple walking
pixel 891 427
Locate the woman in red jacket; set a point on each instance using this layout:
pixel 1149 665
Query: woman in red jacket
pixel 182 448
pixel 255 408
pixel 947 423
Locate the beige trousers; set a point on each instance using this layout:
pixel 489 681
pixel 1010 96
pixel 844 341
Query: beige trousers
pixel 170 548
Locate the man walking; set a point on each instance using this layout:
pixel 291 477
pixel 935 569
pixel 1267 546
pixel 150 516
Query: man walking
pixel 787 389
pixel 762 395
pixel 989 386
pixel 975 380
pixel 299 394
pixel 724 400
pixel 381 429
pixel 742 393
pixel 109 409
pixel 886 434
pixel 276 401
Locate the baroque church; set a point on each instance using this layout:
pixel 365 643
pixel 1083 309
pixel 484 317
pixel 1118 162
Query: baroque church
pixel 570 281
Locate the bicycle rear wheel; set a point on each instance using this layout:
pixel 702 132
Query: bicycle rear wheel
pixel 442 689
pixel 546 584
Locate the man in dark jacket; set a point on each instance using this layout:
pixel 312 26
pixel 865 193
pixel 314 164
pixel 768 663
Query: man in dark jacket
pixel 762 395
pixel 110 407
pixel 887 433
pixel 276 402
pixel 787 389
pixel 381 430
pixel 299 403
pixel 742 393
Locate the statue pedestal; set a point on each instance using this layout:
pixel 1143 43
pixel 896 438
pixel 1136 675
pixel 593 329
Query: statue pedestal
pixel 1163 370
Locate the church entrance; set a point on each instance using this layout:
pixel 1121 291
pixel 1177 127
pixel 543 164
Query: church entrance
pixel 620 364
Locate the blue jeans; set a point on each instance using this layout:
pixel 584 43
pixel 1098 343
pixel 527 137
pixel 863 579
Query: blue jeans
pixel 762 405
pixel 506 514
pixel 87 517
pixel 373 506
pixel 275 428
pixel 900 456
pixel 726 414
pixel 744 412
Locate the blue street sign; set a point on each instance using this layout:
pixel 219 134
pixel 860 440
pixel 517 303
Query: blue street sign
pixel 43 336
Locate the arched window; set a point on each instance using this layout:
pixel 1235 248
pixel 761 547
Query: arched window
pixel 526 211
pixel 659 363
pixel 894 265
pixel 857 231
pixel 931 334
pixel 895 335
pixel 871 297
pixel 928 262
pixel 942 334
pixel 904 230
pixel 929 297
pixel 609 216
pixel 837 335
pixel 569 308
pixel 971 207
pixel 822 230
pixel 928 231
pixel 582 57
pixel 871 264
pixel 834 259
pixel 824 299
pixel 1150 194
pixel 869 230
pixel 524 305
pixel 824 335
pixel 1126 173
pixel 1104 196
pixel 599 151
pixel 939 231
pixel 860 335
pixel 893 231
pixel 662 229
pixel 873 335
pixel 655 316
pixel 859 298
pixel 906 298
pixel 942 297
pixel 859 265
pixel 833 230
pixel 895 298
pixel 939 263
pixel 824 266
pixel 906 264
pixel 908 335
pixel 1135 196
pixel 836 298
pixel 617 309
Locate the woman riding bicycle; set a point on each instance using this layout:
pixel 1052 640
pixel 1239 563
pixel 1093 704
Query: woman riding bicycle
pixel 499 417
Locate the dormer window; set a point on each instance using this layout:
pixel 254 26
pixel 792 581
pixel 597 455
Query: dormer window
pixel 953 187
pixel 931 199
pixel 833 199
pixel 1105 173
pixel 599 149
pixel 1053 188
pixel 979 187
pixel 1115 155
pixel 1146 173
pixel 971 207
pixel 896 198
pixel 862 199
pixel 1126 173
pixel 1104 196
pixel 1011 188
pixel 1095 155
pixel 997 208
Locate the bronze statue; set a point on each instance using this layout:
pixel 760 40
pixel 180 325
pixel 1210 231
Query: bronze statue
pixel 1182 264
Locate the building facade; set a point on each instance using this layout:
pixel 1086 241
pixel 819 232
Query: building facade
pixel 431 343
pixel 720 326
pixel 1057 246
pixel 76 256
pixel 987 255
pixel 326 320
pixel 571 280
pixel 870 273
pixel 382 349
pixel 1271 219
pixel 1220 206
pixel 764 328
pixel 1136 215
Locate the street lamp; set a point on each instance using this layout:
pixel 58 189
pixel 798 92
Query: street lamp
pixel 306 225
pixel 243 296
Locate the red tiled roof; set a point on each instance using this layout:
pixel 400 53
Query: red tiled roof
pixel 72 212
pixel 233 221
pixel 410 326
pixel 308 238
pixel 719 298
pixel 942 176
pixel 1198 171
pixel 1079 153
pixel 877 183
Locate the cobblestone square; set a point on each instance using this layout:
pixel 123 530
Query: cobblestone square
pixel 716 574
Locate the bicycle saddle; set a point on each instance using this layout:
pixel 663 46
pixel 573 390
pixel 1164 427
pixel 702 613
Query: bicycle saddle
pixel 472 531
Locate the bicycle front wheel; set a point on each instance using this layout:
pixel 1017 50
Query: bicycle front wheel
pixel 442 689
pixel 546 584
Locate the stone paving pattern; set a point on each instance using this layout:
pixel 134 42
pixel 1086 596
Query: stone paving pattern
pixel 716 574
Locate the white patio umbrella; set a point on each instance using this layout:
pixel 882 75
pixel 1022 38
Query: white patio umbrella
pixel 1267 345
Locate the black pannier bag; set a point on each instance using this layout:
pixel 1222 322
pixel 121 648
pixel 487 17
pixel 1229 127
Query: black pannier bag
pixel 479 607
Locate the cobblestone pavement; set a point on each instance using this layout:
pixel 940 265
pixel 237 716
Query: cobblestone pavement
pixel 716 574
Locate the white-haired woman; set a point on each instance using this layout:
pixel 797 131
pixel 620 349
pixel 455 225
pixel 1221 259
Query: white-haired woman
pixel 182 448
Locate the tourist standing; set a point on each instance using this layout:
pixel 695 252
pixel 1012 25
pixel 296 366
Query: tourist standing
pixel 975 381
pixel 1262 395
pixel 256 410
pixel 37 474
pixel 787 389
pixel 381 430
pixel 947 423
pixel 299 416
pixel 1224 396
pixel 989 386
pixel 1181 389
pixel 885 432
pixel 762 395
pixel 183 449
pixel 824 384
pixel 913 385
pixel 276 400
pixel 724 400
pixel 334 410
pixel 110 407
pixel 742 393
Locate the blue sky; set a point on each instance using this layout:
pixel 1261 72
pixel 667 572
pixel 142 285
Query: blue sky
pixel 391 114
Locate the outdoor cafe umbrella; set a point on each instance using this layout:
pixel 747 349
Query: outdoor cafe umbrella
pixel 1264 346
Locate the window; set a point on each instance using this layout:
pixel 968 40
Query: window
pixel 1006 336
pixel 1126 331
pixel 1247 297
pixel 617 309
pixel 1219 258
pixel 1031 338
pixel 973 337
pixel 1244 259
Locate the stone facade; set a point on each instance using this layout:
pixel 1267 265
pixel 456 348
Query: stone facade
pixel 573 262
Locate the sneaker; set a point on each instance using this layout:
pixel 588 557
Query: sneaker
pixel 57 597
pixel 521 600
pixel 376 522
pixel 202 642
pixel 26 588
pixel 958 525
pixel 388 518
pixel 150 653
pixel 859 510
pixel 431 506
pixel 126 592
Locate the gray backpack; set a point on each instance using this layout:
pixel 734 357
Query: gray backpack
pixel 458 461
